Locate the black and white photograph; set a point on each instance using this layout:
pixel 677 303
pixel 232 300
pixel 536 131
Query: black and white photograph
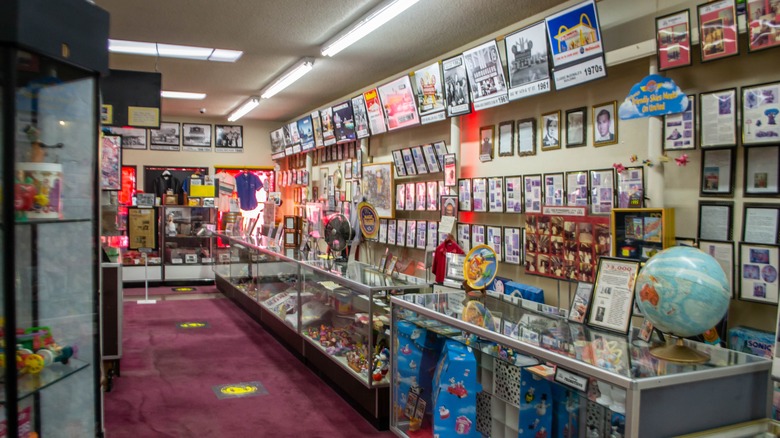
pixel 575 127
pixel 229 138
pixel 486 74
pixel 197 138
pixel 551 131
pixel 277 138
pixel 166 138
pixel 605 129
pixel 361 116
pixel 132 138
pixel 456 86
pixel 526 54
pixel 506 139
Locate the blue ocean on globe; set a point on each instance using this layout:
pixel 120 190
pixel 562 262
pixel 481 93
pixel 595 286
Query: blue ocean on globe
pixel 682 291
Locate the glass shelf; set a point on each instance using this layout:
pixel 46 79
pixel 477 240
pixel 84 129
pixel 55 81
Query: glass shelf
pixel 29 384
pixel 344 363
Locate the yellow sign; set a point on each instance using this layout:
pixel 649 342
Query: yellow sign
pixel 141 116
pixel 193 325
pixel 239 390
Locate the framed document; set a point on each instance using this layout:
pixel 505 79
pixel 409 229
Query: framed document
pixel 761 169
pixel 551 128
pixel 464 237
pixel 762 24
pixel 419 159
pixel 400 197
pixel 420 198
pixel 406 154
pixel 449 163
pixel 513 187
pixel 718 30
pixel 581 302
pixel 411 233
pixel 486 143
pixel 432 195
pixel 400 238
pixel 422 234
pixel 496 194
pixel 605 126
pixel 391 231
pixel 532 193
pixel 758 265
pixel 717 172
pixel 506 139
pixel 723 252
pixel 527 54
pixel 718 118
pixel 577 188
pixel 430 158
pixel 513 250
pixel 673 40
pixel 680 129
pixel 477 235
pixel 400 167
pixel 613 298
pixel 479 194
pixel 602 191
pixel 464 194
pixel 494 240
pixel 760 223
pixel 760 110
pixel 382 238
pixel 631 188
pixel 553 188
pixel 526 137
pixel 410 198
pixel 575 127
pixel 716 220
pixel 433 234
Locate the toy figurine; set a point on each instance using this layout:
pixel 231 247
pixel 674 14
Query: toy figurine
pixel 170 226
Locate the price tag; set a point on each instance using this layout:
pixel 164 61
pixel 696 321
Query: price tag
pixel 580 73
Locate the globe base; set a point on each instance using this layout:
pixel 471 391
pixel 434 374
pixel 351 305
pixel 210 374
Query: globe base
pixel 679 352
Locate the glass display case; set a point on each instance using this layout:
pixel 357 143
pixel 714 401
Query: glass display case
pixel 49 204
pixel 513 370
pixel 187 242
pixel 640 233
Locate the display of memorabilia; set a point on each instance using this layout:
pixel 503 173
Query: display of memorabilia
pixel 360 116
pixel 551 128
pixel 526 54
pixel 397 98
pixel 717 171
pixel 513 245
pixel 575 127
pixel 486 143
pixel 761 169
pixel 432 195
pixel 495 241
pixel 410 197
pixel 479 194
pixel 631 188
pixel 464 194
pixel 411 233
pixel 477 235
pixel 553 189
pixel 602 191
pixel 613 295
pixel 422 234
pixel 574 35
pixel 718 30
pixel 411 169
pixel 376 116
pixel 419 160
pixel 758 265
pixel 166 138
pixel 486 75
pixel 400 197
pixel 513 187
pixel 680 129
pixel 378 188
pixel 328 133
pixel 723 253
pixel 673 40
pixel 496 194
pixel 111 162
pixel 431 160
pixel 391 231
pixel 456 86
pixel 760 110
pixel 449 170
pixel 763 24
pixel 526 137
pixel 760 223
pixel 430 94
pixel 639 234
pixel 605 124
pixel 577 188
pixel 715 220
pixel 532 193
pixel 464 237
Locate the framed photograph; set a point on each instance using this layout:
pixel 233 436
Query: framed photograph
pixel 723 252
pixel 464 194
pixel 526 137
pixel 486 143
pixel 760 223
pixel 420 196
pixel 532 193
pixel 196 137
pixel 575 127
pixel 456 89
pixel 513 249
pixel 760 110
pixel 111 163
pixel 680 129
pixel 391 231
pixel 400 235
pixel 379 188
pixel 397 97
pixel 479 194
pixel 762 24
pixel 716 220
pixel 449 205
pixel 411 233
pixel 398 160
pixel 431 160
pixel 229 138
pixel 577 193
pixel 605 126
pixel 486 75
pixel 132 138
pixel 361 116
pixel 496 194
pixel 761 168
pixel 506 139
pixel 411 169
pixel 513 188
pixel 758 265
pixel 581 302
pixel 449 170
pixel 376 117
pixel 432 195
pixel 613 297
pixel 400 197
pixel 430 93
pixel 673 40
pixel 718 30
pixel 717 172
pixel 495 240
pixel 410 196
pixel 718 118
pixel 550 123
pixel 477 235
pixel 419 160
pixel 526 54
pixel 422 234
pixel 553 188
pixel 464 237
pixel 631 188
pixel 602 191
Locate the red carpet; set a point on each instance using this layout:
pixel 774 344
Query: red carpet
pixel 167 376
pixel 138 293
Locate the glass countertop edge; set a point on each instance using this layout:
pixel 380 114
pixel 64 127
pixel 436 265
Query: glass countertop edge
pixel 359 377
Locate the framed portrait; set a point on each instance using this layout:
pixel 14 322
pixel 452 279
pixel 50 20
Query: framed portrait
pixel 760 110
pixel 422 234
pixel 496 194
pixel 527 78
pixel 577 193
pixel 432 195
pixel 379 188
pixel 486 143
pixel 420 202
pixel 506 138
pixel 580 304
pixel 715 220
pixel 526 137
pixel 411 233
pixel 464 237
pixel 718 30
pixel 758 265
pixel 494 239
pixel 762 24
pixel 718 118
pixel 553 188
pixel 449 205
pixel 717 172
pixel 132 138
pixel 723 253
pixel 196 137
pixel 449 164
pixel 513 189
pixel 680 129
pixel 631 188
pixel 406 154
pixel 551 130
pixel 419 160
pixel 575 127
pixel 410 196
pixel 513 249
pixel 431 160
pixel 613 294
pixel 605 126
pixel 479 194
pixel 391 231
pixel 229 138
pixel 532 193
pixel 673 40
pixel 400 197
pixel 602 191
pixel 477 235
pixel 398 160
pixel 111 163
pixel 464 194
pixel 760 223
pixel 761 169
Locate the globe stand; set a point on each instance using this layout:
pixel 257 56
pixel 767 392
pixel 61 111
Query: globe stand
pixel 677 351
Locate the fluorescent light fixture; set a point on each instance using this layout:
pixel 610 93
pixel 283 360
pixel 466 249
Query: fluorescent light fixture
pixel 173 51
pixel 247 106
pixel 288 77
pixel 367 24
pixel 182 95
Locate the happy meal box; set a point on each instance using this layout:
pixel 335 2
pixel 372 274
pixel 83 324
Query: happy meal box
pixel 566 407
pixel 417 351
pixel 455 393
pixel 535 406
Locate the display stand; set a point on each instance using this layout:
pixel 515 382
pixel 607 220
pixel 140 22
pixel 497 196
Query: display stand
pixel 145 254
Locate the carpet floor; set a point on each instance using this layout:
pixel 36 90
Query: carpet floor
pixel 169 375
pixel 168 292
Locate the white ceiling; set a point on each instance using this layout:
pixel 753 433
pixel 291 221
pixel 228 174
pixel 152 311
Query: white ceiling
pixel 274 34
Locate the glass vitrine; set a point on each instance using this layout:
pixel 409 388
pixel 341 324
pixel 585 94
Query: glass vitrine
pixel 187 242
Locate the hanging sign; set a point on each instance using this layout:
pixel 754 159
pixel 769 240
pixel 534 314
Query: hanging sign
pixel 653 96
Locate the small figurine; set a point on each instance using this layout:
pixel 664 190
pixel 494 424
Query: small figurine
pixel 170 226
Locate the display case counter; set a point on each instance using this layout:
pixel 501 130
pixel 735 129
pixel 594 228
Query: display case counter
pixel 534 371
pixel 187 243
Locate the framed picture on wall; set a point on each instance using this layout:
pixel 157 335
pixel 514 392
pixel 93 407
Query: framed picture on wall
pixel 680 129
pixel 718 118
pixel 196 137
pixel 631 188
pixel 551 129
pixel 526 137
pixel 577 188
pixel 408 161
pixel 718 30
pixel 479 194
pixel 673 40
pixel 758 267
pixel 494 239
pixel 715 220
pixel 575 127
pixel 400 197
pixel 723 253
pixel 553 188
pixel 760 223
pixel 605 125
pixel 513 187
pixel 477 235
pixel 513 249
pixel 486 143
pixel 464 236
pixel 400 167
pixel 432 195
pixel 391 231
pixel 132 138
pixel 762 165
pixel 379 188
pixel 532 193
pixel 111 163
pixel 760 111
pixel 419 160
pixel 496 194
pixel 422 234
pixel 464 194
pixel 449 205
pixel 449 164
pixel 431 159
pixel 229 138
pixel 441 151
pixel 410 196
pixel 506 145
pixel 717 172
pixel 762 24
pixel 400 235
pixel 411 233
pixel 602 191
pixel 420 202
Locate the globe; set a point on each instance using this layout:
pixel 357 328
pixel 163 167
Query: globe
pixel 682 291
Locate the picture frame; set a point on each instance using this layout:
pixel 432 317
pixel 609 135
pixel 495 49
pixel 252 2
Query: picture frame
pixel 483 64
pixel 422 234
pixel 431 160
pixel 410 196
pixel 495 194
pixel 348 169
pixel 717 30
pixel 553 189
pixel 111 163
pixel 612 303
pixel 132 138
pixel 761 223
pixel 718 118
pixel 577 190
pixel 528 78
pixel 533 193
pixel 394 96
pixel 495 240
pixel 449 205
pixel 411 233
pixel 760 112
pixel 513 246
pixel 391 231
pixel 716 221
pixel 580 303
pixel 432 195
pixel 550 123
pixel 576 122
pixel 441 151
pixel 400 197
pixel 723 253
pixel 464 194
pixel 605 125
pixel 762 25
pixel 526 137
pixel 758 267
pixel 379 188
pixel 420 199
pixel 195 137
pixel 406 154
pixel 449 164
pixel 382 236
pixel 602 191
pixel 506 139
pixel 679 130
pixel 762 165
pixel 477 235
pixel 479 194
pixel 433 234
pixel 400 235
pixel 673 40
pixel 229 137
pixel 398 160
pixel 718 168
pixel 486 139
pixel 457 95
pixel 419 160
pixel 513 192
pixel 464 237
pixel 631 188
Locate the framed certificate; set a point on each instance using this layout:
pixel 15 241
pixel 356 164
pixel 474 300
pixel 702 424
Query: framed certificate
pixel 673 40
pixel 760 110
pixel 723 252
pixel 758 265
pixel 760 223
pixel 613 294
pixel 718 118
pixel 526 137
pixel 715 220
pixel 513 188
pixel 717 172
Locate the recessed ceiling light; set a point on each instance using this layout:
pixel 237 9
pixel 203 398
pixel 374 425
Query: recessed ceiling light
pixel 173 51
pixel 182 95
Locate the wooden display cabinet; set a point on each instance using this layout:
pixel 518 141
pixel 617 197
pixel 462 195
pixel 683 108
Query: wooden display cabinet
pixel 639 233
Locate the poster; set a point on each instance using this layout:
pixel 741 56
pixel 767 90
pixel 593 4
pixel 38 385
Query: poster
pixel 430 93
pixel 613 294
pixel 361 116
pixel 344 122
pixel 575 42
pixel 141 228
pixel 763 23
pixel 456 86
pixel 306 133
pixel 673 40
pixel 376 118
pixel 398 101
pixel 486 75
pixel 527 61
pixel 717 30
pixel 317 129
pixel 328 134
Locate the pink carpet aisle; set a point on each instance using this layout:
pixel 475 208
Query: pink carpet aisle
pixel 168 376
